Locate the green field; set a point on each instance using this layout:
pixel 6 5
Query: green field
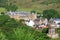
pixel 37 5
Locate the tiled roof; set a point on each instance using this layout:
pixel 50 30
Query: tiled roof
pixel 21 13
pixel 57 19
pixel 37 19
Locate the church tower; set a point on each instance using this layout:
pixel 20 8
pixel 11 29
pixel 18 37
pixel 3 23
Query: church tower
pixel 52 29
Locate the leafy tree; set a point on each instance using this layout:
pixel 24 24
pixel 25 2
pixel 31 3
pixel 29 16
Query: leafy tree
pixel 3 19
pixel 50 13
pixel 11 23
pixel 8 5
pixel 11 8
pixel 3 3
pixel 33 11
pixel 45 30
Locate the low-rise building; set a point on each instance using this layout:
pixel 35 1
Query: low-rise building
pixel 57 21
pixel 41 22
pixel 22 15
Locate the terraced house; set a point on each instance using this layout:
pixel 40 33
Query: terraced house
pixel 22 15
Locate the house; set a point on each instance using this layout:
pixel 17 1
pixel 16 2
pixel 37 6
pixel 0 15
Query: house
pixel 41 22
pixel 30 23
pixel 57 21
pixel 22 15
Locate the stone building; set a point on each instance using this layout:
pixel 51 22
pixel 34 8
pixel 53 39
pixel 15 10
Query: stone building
pixel 41 22
pixel 52 29
pixel 22 15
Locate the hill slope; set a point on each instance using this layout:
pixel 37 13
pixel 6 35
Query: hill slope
pixel 38 5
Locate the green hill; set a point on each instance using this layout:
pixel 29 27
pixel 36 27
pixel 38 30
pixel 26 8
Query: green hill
pixel 38 5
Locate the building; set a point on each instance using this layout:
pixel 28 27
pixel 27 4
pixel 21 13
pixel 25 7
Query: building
pixel 22 15
pixel 41 22
pixel 52 29
pixel 30 23
pixel 57 21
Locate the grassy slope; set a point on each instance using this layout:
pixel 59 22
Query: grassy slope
pixel 38 5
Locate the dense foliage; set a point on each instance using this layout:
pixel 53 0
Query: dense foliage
pixel 51 13
pixel 8 5
pixel 10 29
pixel 3 19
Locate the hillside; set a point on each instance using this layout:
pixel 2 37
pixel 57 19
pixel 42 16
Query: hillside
pixel 29 5
pixel 38 5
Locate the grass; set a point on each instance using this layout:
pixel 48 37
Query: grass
pixel 37 5
pixel 3 9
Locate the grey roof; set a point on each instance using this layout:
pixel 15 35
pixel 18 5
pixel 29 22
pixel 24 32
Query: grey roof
pixel 57 19
pixel 21 13
pixel 37 19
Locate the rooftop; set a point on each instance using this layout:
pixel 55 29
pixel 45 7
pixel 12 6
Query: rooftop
pixel 57 19
pixel 20 13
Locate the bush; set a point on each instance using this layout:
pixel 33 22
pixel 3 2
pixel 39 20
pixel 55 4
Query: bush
pixel 2 36
pixel 11 23
pixel 3 19
pixel 28 34
pixel 45 30
pixel 33 11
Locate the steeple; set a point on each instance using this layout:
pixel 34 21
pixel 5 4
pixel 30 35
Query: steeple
pixel 52 29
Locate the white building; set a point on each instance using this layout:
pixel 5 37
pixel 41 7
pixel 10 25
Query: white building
pixel 29 23
pixel 57 21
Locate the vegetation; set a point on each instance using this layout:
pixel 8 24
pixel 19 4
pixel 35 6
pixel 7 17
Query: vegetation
pixel 8 5
pixel 15 30
pixel 51 13
pixel 11 29
pixel 45 30
pixel 3 10
pixel 3 19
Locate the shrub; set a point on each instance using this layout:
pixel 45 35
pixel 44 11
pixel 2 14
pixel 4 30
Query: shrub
pixel 45 30
pixel 28 34
pixel 2 36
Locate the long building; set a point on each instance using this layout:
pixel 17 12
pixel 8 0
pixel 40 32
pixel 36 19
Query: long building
pixel 22 15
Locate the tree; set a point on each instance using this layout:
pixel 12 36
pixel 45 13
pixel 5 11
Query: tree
pixel 11 23
pixel 11 8
pixel 3 3
pixel 33 11
pixel 45 30
pixel 3 19
pixel 8 5
pixel 50 13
